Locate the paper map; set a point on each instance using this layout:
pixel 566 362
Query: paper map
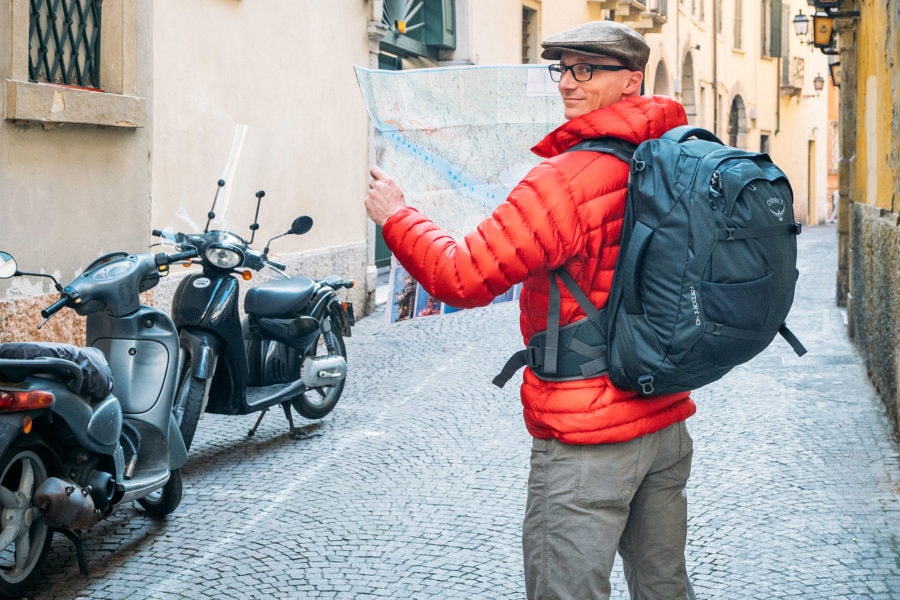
pixel 456 139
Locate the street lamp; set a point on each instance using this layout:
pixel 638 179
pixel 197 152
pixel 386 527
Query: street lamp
pixel 818 83
pixel 835 69
pixel 801 24
pixel 823 36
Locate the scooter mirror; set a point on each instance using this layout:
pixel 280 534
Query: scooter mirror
pixel 301 225
pixel 8 266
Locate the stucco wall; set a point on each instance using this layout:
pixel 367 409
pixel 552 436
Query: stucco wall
pixel 876 298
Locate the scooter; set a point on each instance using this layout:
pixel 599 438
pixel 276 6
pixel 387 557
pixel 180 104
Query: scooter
pixel 288 348
pixel 84 429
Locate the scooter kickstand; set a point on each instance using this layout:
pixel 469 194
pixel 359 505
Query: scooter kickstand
pixel 77 539
pixel 294 432
pixel 262 413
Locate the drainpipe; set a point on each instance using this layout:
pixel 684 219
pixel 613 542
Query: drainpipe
pixel 715 66
pixel 778 93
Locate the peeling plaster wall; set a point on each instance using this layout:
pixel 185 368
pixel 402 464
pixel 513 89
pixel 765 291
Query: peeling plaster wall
pixel 876 289
pixel 19 319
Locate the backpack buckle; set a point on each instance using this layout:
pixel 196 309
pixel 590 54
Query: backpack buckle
pixel 646 383
pixel 534 358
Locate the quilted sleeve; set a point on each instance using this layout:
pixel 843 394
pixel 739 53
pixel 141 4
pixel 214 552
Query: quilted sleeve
pixel 535 229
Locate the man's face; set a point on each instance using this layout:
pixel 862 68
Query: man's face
pixel 603 88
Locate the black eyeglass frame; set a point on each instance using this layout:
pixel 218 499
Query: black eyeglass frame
pixel 557 70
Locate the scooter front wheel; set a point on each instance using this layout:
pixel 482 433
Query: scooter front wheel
pixel 189 401
pixel 317 402
pixel 24 535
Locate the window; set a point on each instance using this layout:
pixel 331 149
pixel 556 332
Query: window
pixel 771 28
pixel 39 94
pixel 424 28
pixel 718 15
pixel 530 33
pixel 64 42
pixel 738 24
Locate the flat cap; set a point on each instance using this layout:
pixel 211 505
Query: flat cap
pixel 600 38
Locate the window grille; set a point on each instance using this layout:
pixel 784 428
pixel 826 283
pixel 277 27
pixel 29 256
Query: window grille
pixel 64 42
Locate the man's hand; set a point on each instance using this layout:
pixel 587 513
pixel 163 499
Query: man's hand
pixel 384 198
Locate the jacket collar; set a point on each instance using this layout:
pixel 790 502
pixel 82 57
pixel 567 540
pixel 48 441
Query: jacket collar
pixel 635 119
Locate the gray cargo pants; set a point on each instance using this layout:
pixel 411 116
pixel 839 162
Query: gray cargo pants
pixel 585 502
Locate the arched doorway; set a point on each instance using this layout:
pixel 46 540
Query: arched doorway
pixel 737 123
pixel 662 82
pixel 688 99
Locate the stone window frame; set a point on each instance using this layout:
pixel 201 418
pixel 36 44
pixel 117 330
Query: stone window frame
pixel 117 105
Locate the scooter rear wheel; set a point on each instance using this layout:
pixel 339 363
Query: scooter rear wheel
pixel 24 535
pixel 315 403
pixel 166 499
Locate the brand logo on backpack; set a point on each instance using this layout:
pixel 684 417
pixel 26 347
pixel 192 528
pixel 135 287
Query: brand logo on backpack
pixel 776 207
pixel 695 306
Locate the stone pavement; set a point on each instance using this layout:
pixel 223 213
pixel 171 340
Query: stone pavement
pixel 414 487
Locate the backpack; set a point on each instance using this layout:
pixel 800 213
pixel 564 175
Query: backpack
pixel 704 279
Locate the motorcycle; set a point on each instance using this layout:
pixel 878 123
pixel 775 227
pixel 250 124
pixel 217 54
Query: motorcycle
pixel 84 429
pixel 288 348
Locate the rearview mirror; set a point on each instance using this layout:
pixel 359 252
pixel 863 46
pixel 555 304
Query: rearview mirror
pixel 301 225
pixel 8 266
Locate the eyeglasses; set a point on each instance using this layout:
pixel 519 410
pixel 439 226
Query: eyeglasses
pixel 580 71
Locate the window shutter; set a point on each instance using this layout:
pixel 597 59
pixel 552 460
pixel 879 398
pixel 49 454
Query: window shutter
pixel 776 20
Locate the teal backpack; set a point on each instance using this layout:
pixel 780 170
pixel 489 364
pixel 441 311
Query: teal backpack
pixel 705 276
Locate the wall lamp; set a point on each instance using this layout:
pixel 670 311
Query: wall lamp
pixel 835 69
pixel 818 86
pixel 826 11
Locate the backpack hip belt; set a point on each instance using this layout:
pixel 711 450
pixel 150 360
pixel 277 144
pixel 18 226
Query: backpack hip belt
pixel 568 353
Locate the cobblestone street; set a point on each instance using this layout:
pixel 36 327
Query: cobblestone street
pixel 414 487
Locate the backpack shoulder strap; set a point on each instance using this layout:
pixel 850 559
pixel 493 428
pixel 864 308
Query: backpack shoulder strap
pixel 683 132
pixel 621 149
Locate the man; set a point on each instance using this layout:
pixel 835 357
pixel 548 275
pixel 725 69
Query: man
pixel 608 468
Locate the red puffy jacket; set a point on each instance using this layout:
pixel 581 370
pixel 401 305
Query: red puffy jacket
pixel 567 211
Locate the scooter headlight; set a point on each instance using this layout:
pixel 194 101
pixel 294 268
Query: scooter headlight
pixel 223 258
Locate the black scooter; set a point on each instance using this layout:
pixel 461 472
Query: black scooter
pixel 86 428
pixel 287 350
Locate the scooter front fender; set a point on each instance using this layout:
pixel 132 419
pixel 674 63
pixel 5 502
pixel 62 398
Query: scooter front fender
pixel 203 348
pixel 178 453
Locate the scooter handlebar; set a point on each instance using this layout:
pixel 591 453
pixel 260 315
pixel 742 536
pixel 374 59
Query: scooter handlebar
pixel 180 256
pixel 54 308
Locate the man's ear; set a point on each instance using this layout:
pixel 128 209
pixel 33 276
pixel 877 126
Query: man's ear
pixel 633 85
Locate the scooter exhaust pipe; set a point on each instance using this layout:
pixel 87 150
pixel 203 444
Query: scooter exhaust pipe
pixel 327 370
pixel 65 504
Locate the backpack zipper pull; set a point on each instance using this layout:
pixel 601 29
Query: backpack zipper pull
pixel 715 189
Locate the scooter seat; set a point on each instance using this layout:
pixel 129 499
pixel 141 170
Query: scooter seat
pixel 97 379
pixel 279 297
